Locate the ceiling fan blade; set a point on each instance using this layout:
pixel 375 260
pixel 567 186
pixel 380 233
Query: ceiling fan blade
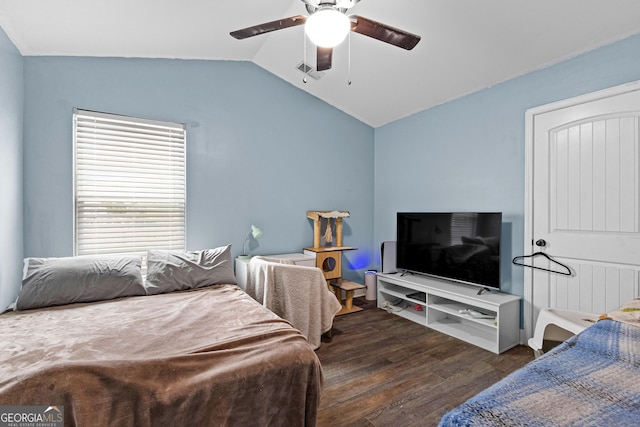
pixel 323 58
pixel 267 27
pixel 384 33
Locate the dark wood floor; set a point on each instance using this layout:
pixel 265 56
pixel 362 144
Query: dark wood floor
pixel 383 370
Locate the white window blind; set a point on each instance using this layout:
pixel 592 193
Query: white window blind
pixel 129 179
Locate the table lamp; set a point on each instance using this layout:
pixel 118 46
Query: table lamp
pixel 256 233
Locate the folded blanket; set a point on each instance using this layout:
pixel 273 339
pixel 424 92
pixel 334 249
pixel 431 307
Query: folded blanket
pixel 628 313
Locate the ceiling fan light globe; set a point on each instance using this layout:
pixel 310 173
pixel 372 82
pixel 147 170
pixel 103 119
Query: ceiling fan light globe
pixel 327 27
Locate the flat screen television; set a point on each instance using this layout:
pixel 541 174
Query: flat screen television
pixel 458 246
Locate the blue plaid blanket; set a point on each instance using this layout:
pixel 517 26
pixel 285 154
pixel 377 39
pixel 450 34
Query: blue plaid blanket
pixel 592 379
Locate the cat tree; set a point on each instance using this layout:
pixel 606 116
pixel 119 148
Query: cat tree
pixel 329 257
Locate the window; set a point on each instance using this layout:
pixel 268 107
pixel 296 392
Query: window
pixel 129 184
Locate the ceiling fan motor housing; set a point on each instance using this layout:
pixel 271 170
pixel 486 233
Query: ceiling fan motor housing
pixel 339 5
pixel 342 4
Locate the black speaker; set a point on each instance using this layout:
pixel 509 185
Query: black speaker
pixel 388 256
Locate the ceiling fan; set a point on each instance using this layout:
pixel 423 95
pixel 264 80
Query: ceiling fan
pixel 328 25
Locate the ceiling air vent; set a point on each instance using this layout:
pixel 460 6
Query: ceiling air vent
pixel 310 71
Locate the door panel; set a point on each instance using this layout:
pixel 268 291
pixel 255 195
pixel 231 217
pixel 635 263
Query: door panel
pixel 595 176
pixel 584 201
pixel 584 291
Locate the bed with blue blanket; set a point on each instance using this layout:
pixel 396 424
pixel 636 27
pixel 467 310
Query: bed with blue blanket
pixel 592 379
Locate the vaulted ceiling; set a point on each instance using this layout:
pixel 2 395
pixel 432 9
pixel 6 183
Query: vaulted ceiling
pixel 466 45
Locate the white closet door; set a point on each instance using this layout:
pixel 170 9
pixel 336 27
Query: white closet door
pixel 583 187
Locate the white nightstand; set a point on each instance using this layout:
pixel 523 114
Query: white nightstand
pixel 298 259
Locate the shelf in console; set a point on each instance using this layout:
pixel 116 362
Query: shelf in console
pixel 397 298
pixel 479 336
pixel 453 308
pixel 402 293
pixel 413 315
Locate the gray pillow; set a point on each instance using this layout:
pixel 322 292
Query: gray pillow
pixel 57 281
pixel 169 271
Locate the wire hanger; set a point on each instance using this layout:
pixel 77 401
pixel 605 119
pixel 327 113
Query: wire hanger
pixel 521 258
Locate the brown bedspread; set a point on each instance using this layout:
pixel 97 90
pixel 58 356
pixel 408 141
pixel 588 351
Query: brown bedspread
pixel 212 356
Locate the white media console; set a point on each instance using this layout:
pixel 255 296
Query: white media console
pixel 445 306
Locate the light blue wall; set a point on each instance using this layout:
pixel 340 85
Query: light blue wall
pixel 259 151
pixel 11 110
pixel 469 154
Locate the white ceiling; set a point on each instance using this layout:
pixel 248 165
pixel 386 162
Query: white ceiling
pixel 466 45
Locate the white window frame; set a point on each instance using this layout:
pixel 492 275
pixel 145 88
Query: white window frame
pixel 138 167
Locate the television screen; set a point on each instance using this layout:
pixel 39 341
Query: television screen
pixel 460 246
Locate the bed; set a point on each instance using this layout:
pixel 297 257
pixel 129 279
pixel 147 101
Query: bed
pixel 592 379
pixel 207 355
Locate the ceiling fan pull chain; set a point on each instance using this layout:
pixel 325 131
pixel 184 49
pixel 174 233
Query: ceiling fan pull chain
pixel 349 59
pixel 304 56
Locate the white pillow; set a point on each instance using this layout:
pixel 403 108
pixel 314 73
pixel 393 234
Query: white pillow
pixel 57 281
pixel 169 271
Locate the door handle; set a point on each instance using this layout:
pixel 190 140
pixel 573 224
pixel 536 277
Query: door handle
pixel 541 242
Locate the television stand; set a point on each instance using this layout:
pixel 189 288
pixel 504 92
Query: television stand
pixel 450 308
pixel 483 290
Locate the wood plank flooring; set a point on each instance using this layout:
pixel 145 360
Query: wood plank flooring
pixel 383 370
